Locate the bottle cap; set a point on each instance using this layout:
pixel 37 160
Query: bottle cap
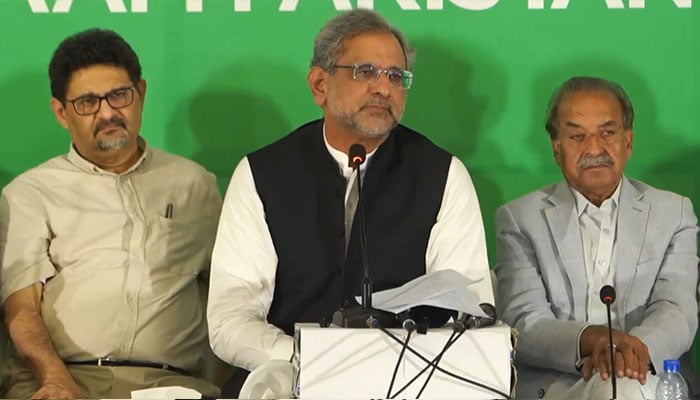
pixel 672 365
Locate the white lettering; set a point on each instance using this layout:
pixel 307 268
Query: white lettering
pixel 564 4
pixel 679 3
pixel 291 5
pixel 194 6
pixel 241 5
pixel 404 4
pixel 139 6
pixel 38 6
pixel 476 5
pixel 63 6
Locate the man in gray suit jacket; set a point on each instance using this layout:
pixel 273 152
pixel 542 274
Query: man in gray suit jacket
pixel 559 245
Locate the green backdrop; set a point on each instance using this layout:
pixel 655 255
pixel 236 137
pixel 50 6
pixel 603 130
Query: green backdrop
pixel 228 76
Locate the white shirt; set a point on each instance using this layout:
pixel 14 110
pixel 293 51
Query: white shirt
pixel 244 263
pixel 598 234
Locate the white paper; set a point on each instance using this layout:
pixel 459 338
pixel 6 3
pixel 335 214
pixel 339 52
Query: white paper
pixel 166 393
pixel 445 288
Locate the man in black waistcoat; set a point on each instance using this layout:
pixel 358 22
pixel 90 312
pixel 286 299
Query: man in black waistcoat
pixel 282 254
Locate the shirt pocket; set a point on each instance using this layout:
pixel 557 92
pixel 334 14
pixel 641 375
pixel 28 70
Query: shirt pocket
pixel 179 247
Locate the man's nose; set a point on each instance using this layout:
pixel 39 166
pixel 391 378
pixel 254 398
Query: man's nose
pixel 381 85
pixel 594 145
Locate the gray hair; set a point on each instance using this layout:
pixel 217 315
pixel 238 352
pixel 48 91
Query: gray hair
pixel 328 45
pixel 587 84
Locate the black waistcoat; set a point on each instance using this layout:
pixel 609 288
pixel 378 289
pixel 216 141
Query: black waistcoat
pixel 303 192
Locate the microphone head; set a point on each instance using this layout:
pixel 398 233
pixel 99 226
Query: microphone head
pixel 436 316
pixel 409 325
pixel 489 310
pixel 607 294
pixel 356 155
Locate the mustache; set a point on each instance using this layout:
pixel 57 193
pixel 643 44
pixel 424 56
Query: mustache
pixel 602 159
pixel 114 121
pixel 379 103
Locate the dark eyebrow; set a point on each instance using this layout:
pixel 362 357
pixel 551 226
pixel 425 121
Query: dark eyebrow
pixel 572 124
pixel 92 94
pixel 610 122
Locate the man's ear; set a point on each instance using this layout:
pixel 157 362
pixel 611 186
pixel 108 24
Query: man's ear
pixel 318 82
pixel 141 88
pixel 629 136
pixel 556 149
pixel 59 110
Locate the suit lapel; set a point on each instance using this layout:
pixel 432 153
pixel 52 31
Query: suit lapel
pixel 631 231
pixel 564 229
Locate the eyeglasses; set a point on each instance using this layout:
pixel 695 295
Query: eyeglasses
pixel 90 104
pixel 369 72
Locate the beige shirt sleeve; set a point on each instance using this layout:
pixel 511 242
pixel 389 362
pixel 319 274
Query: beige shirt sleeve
pixel 24 239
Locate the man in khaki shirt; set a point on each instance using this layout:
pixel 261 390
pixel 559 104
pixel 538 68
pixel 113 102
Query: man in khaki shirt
pixel 105 250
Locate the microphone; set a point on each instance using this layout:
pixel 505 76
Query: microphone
pixel 431 316
pixel 607 296
pixel 356 157
pixel 364 316
pixel 466 321
pixel 407 322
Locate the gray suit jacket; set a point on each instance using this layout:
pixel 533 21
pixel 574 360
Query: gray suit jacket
pixel 542 281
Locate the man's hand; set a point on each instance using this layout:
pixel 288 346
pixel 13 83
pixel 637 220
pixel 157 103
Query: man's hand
pixel 631 354
pixel 59 390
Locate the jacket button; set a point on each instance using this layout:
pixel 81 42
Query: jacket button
pixel 540 393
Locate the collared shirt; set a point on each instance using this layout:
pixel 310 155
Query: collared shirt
pixel 121 278
pixel 598 234
pixel 345 170
pixel 244 262
pixel 598 227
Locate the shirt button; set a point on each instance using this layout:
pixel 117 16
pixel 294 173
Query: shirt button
pixel 602 263
pixel 136 257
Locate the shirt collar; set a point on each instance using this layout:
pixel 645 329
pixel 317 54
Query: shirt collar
pixel 76 159
pixel 582 202
pixel 342 158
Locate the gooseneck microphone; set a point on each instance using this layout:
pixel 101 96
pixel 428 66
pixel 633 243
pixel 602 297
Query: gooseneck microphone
pixel 356 157
pixel 364 316
pixel 607 296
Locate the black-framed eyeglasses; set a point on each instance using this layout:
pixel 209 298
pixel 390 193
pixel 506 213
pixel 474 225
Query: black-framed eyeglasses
pixel 90 104
pixel 398 77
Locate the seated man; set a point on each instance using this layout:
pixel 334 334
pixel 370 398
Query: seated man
pixel 105 250
pixel 559 245
pixel 287 249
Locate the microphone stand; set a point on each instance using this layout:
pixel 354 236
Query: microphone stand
pixel 613 375
pixel 364 316
pixel 607 296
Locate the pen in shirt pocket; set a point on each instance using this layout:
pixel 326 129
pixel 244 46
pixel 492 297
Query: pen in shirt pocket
pixel 169 211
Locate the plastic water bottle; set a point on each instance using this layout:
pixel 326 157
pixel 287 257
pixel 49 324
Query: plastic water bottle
pixel 672 386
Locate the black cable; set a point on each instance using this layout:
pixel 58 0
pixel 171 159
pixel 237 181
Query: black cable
pixel 398 362
pixel 444 371
pixel 437 359
pixel 430 364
